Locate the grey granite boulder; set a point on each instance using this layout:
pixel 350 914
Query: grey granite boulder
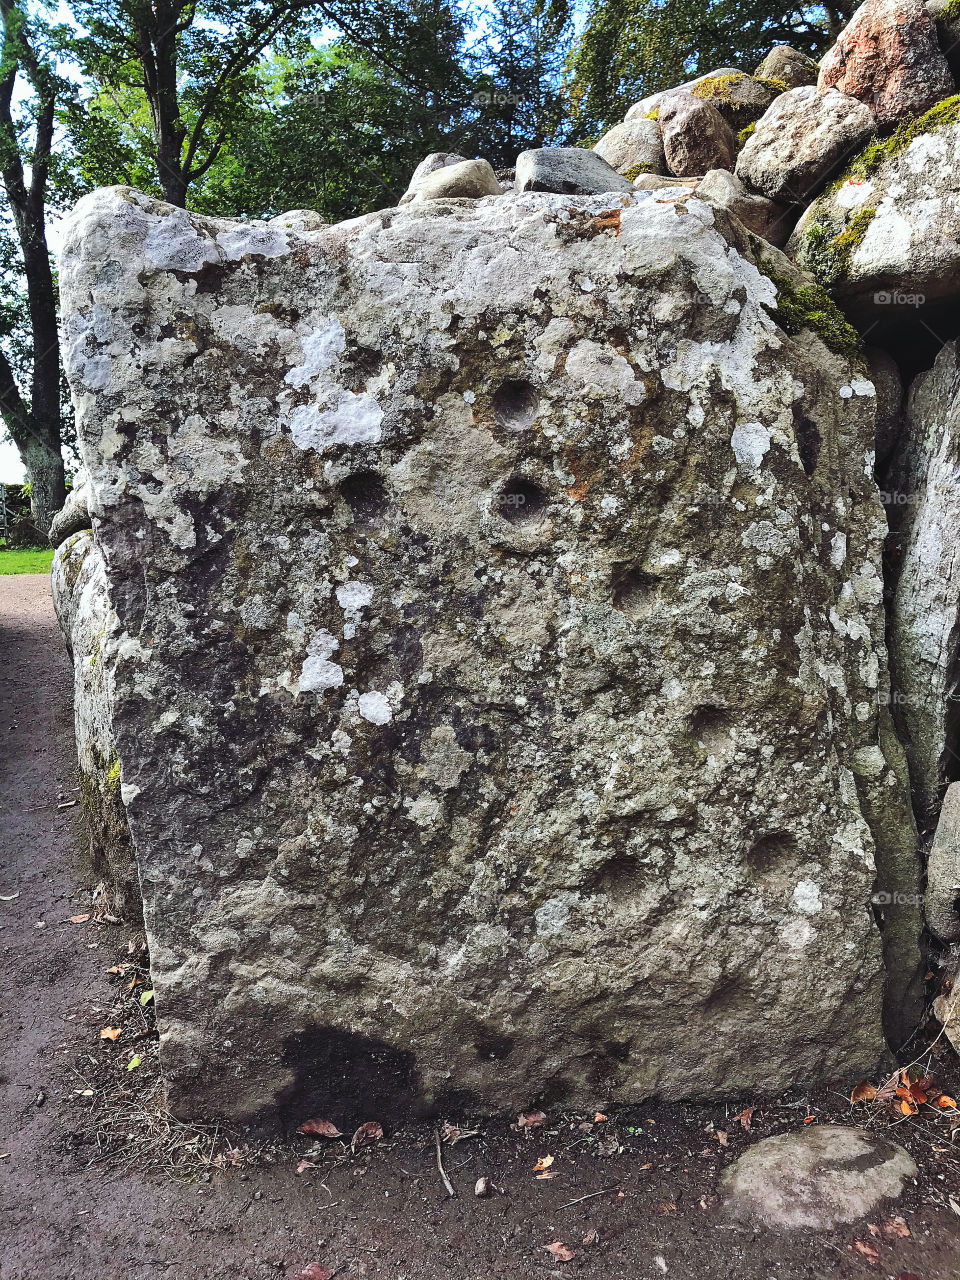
pixel 942 903
pixel 824 1177
pixel 635 144
pixel 925 621
pixel 739 98
pixel 470 179
pixel 801 142
pixel 568 171
pixel 653 101
pixel 789 66
pixel 696 138
pixel 494 650
pixel 768 219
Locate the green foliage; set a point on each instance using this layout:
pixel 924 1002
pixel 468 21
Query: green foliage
pixel 810 307
pixel 26 560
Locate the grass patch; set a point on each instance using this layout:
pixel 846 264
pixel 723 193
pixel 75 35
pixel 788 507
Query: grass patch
pixel 26 560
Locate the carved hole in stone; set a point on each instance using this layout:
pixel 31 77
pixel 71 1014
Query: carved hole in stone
pixel 769 850
pixel 808 439
pixel 493 1046
pixel 515 404
pixel 619 877
pixel 634 591
pixel 710 728
pixel 520 501
pixel 366 496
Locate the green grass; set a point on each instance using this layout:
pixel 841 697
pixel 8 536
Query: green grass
pixel 27 560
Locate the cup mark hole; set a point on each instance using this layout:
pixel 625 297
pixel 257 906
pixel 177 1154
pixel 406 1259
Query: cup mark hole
pixel 521 501
pixel 516 404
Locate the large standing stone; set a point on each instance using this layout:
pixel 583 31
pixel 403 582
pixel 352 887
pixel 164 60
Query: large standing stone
pixel 568 171
pixel 801 142
pixel 789 66
pixel 696 137
pixel 635 144
pixel 498 644
pixel 925 624
pixel 885 238
pixel 889 58
pixel 824 1177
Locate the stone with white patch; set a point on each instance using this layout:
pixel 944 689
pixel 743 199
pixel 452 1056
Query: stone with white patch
pixel 485 725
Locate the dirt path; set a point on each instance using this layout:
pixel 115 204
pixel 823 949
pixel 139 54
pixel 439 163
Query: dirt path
pixel 383 1213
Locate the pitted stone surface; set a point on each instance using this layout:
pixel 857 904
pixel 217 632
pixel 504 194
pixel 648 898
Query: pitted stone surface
pixel 497 626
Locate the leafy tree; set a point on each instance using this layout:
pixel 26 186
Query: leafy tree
pixel 519 88
pixel 30 383
pixel 630 48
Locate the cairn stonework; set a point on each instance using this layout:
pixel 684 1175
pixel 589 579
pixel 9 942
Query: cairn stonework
pixel 493 653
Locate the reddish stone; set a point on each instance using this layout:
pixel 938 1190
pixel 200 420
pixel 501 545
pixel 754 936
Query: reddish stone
pixel 889 58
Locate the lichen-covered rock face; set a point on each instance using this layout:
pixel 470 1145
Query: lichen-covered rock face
pixel 884 236
pixel 925 622
pixel 800 142
pixel 497 653
pixel 567 171
pixel 888 57
pixel 739 98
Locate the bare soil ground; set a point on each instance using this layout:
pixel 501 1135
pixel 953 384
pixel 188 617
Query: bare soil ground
pixel 95 1181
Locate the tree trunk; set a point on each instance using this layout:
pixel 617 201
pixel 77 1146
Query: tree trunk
pixel 43 463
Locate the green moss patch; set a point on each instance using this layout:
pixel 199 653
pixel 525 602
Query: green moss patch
pixel 651 115
pixel 718 86
pixel 635 171
pixel 879 150
pixel 810 307
pixel 828 247
pixel 744 134
pixel 773 82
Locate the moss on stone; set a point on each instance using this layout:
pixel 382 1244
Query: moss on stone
pixel 718 86
pixel 773 82
pixel 828 248
pixel 810 307
pixel 744 134
pixel 651 115
pixel 950 12
pixel 112 776
pixel 879 150
pixel 635 170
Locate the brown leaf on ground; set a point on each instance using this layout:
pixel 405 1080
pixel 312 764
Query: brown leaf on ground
pixel 867 1250
pixel 549 1174
pixel 863 1092
pixel 322 1128
pixel 371 1131
pixel 79 919
pixel 453 1134
pixel 530 1119
pixel 592 1237
pixel 109 1033
pixel 722 1137
pixel 896 1228
pixel 809 1119
pixel 599 1118
pixel 666 1207
pixel 907 1107
pixel 314 1271
pixel 560 1250
pixel 304 1165
pixel 745 1116
pixel 946 1101
pixel 543 1163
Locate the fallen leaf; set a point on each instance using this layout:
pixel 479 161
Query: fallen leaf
pixel 322 1128
pixel 304 1165
pixel 482 1187
pixel 722 1137
pixel 543 1163
pixel 119 968
pixel 369 1132
pixel 809 1119
pixel 592 1237
pixel 146 997
pixel 560 1250
pixel 453 1134
pixel 79 919
pixel 547 1175
pixel 109 1033
pixel 863 1092
pixel 134 1062
pixel 665 1207
pixel 599 1118
pixel 896 1228
pixel 946 1101
pixel 867 1250
pixel 745 1116
pixel 907 1107
pixel 531 1119
pixel 314 1271
pixel 4 1155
